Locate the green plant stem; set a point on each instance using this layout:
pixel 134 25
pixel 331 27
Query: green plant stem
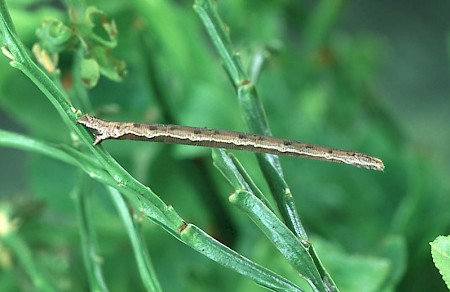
pixel 142 257
pixel 92 261
pixel 62 153
pixel 253 112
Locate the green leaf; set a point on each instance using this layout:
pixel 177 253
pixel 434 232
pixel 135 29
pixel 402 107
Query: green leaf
pixel 440 250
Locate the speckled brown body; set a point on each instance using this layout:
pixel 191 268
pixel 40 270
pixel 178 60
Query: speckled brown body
pixel 175 134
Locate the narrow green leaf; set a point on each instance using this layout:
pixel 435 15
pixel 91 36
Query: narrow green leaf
pixel 202 242
pixel 235 173
pixel 220 35
pixel 283 239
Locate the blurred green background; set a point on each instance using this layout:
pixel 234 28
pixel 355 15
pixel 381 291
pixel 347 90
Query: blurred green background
pixel 371 76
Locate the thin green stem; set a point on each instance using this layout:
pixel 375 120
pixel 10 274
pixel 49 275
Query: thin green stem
pixel 257 63
pixel 141 255
pixel 91 258
pixel 62 153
